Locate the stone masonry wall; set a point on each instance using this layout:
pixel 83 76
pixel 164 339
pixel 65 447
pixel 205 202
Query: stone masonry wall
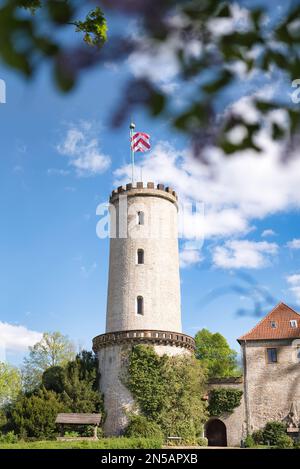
pixel 271 388
pixel 235 421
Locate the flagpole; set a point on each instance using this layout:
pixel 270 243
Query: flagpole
pixel 132 127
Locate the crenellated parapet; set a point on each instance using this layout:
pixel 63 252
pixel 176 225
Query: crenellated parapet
pixel 144 189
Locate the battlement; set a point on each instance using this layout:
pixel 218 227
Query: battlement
pixel 144 189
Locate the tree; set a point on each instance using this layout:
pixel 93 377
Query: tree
pixel 10 383
pixel 209 58
pixel 33 415
pixel 77 383
pixel 215 354
pixel 54 349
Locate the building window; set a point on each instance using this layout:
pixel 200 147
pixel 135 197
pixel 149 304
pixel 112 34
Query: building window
pixel 140 305
pixel 140 256
pixel 140 218
pixel 273 324
pixel 272 355
pixel 293 324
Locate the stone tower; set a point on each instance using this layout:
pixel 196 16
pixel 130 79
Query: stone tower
pixel 143 303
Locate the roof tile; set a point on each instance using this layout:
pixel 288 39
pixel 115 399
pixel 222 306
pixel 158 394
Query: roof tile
pixel 281 315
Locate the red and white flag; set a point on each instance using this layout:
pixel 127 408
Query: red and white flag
pixel 140 142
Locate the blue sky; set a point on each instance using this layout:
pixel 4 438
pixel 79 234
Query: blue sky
pixel 53 271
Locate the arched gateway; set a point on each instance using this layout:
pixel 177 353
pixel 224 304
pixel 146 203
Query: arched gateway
pixel 216 433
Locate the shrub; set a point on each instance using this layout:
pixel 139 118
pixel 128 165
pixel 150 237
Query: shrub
pixel 71 434
pixel 202 441
pixel 249 441
pixel 140 426
pixel 258 437
pixel 9 437
pixel 223 400
pixel 34 415
pixel 284 442
pixel 272 432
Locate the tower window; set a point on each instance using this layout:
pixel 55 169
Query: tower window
pixel 272 355
pixel 293 324
pixel 140 256
pixel 273 324
pixel 140 305
pixel 140 218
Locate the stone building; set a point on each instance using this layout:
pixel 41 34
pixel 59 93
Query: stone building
pixel 271 381
pixel 143 303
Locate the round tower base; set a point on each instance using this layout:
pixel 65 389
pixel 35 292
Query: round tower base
pixel 113 350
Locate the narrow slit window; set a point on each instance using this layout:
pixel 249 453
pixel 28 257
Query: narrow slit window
pixel 140 256
pixel 140 218
pixel 140 305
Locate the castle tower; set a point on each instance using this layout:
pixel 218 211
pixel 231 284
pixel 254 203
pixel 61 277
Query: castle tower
pixel 143 304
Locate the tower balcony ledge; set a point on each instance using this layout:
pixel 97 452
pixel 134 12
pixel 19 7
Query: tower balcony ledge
pixel 144 336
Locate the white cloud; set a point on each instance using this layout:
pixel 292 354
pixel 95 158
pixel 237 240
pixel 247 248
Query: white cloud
pixel 267 233
pixel 294 244
pixel 189 257
pixel 81 145
pixel 17 338
pixel 238 254
pixel 294 282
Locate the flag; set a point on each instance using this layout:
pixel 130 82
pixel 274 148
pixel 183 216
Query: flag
pixel 140 142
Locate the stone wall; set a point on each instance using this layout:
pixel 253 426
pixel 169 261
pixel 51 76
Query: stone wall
pixel 157 279
pixel 235 422
pixel 270 389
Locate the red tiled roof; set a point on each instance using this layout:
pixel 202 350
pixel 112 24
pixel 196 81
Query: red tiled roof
pixel 281 315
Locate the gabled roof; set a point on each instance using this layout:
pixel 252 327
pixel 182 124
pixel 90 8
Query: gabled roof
pixel 281 315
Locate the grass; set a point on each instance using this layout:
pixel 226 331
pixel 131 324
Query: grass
pixel 103 443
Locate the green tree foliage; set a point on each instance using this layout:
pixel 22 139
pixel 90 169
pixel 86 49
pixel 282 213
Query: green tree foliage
pixel 69 388
pixel 77 383
pixel 54 349
pixel 223 400
pixel 94 28
pixel 215 354
pixel 168 391
pixel 264 45
pixel 273 431
pixel 140 426
pixel 10 383
pixel 34 415
pixel 273 434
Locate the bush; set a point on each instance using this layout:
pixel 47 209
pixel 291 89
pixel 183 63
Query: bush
pixel 9 437
pixel 71 434
pixel 202 441
pixel 258 437
pixel 284 442
pixel 34 415
pixel 140 426
pixel 249 442
pixel 272 432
